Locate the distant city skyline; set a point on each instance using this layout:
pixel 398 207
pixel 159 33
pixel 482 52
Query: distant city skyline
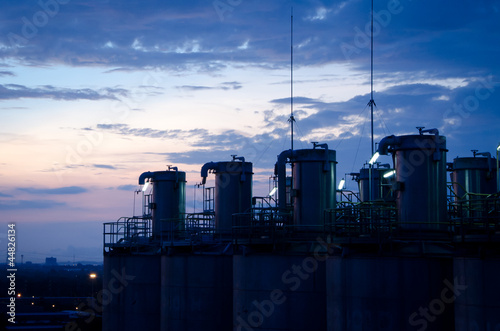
pixel 93 93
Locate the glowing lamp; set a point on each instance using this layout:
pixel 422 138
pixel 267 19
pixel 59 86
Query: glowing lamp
pixel 374 158
pixel 389 173
pixel 341 184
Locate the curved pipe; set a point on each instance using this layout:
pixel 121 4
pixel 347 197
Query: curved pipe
pixel 242 159
pixel 144 176
pixel 325 146
pixel 383 146
pixel 280 171
pixel 435 132
pixel 488 156
pixel 204 170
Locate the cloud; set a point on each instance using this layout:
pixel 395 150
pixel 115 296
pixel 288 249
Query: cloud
pixel 3 195
pixel 55 191
pixel 194 87
pixel 126 130
pixel 127 187
pixel 223 86
pixel 30 204
pixel 6 73
pixel 104 166
pixel 15 91
pixel 413 37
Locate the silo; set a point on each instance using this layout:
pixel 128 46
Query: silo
pixel 233 190
pixel 131 291
pixel 476 175
pixel 313 191
pixel 197 291
pixel 380 185
pixel 168 202
pixel 390 293
pixel 476 292
pixel 279 291
pixel 420 164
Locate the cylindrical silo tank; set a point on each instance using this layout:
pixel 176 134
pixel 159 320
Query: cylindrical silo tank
pixel 131 292
pixel 476 289
pixel 420 164
pixel 233 191
pixel 168 202
pixel 390 293
pixel 279 291
pixel 314 189
pixel 476 175
pixel 197 291
pixel 380 189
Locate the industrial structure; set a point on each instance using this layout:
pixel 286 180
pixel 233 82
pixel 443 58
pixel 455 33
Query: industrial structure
pixel 416 248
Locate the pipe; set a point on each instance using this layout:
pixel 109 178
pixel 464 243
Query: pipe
pixel 437 154
pixel 204 170
pixel 383 146
pixel 144 175
pixel 488 155
pixel 242 159
pixel 280 171
pixel 325 146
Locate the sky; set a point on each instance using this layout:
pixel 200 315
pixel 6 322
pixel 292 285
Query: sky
pixel 93 93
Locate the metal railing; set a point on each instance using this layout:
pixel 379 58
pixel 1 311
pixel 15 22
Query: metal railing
pixel 475 215
pixel 361 219
pixel 127 232
pixel 261 224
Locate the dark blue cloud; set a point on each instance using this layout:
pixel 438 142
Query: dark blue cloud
pixel 439 38
pixel 29 204
pixel 104 166
pixel 6 73
pixel 223 86
pixel 127 187
pixel 15 91
pixel 56 191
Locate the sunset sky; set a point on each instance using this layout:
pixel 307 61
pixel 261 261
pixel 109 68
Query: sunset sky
pixel 93 93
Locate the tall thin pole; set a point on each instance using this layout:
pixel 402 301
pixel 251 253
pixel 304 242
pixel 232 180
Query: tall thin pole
pixel 372 101
pixel 292 119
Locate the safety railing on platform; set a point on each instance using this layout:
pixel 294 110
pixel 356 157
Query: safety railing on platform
pixel 127 232
pixel 260 224
pixel 361 219
pixel 476 214
pixel 473 215
pixel 200 227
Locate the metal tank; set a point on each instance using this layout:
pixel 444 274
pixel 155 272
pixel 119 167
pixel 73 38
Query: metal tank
pixel 390 293
pixel 130 297
pixel 233 190
pixel 197 291
pixel 475 294
pixel 381 185
pixel 168 205
pixel 313 191
pixel 473 175
pixel 420 163
pixel 279 291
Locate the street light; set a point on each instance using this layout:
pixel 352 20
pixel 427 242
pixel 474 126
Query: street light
pixel 92 277
pixel 498 178
pixel 341 184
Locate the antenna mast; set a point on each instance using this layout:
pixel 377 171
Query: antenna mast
pixel 372 101
pixel 291 119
